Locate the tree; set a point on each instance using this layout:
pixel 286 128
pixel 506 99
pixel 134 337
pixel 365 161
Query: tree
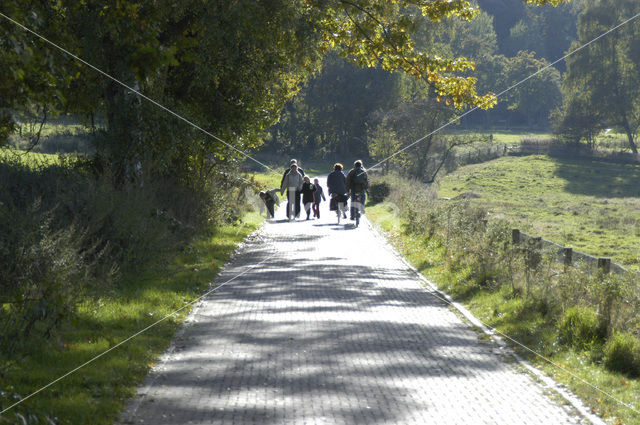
pixel 604 76
pixel 546 31
pixel 228 65
pixel 383 143
pixel 328 117
pixel 539 95
pixel 576 121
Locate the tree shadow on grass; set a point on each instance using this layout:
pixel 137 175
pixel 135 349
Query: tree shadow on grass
pixel 599 178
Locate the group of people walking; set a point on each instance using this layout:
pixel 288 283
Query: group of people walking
pixel 298 187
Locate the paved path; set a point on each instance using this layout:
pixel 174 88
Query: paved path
pixel 332 328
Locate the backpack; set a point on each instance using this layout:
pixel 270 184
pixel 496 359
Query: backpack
pixel 359 177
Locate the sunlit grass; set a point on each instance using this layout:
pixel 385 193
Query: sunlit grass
pixel 503 137
pixel 33 159
pixel 591 206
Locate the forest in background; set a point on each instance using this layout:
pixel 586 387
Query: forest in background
pixel 348 112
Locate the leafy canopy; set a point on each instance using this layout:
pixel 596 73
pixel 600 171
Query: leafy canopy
pixel 229 65
pixel 379 32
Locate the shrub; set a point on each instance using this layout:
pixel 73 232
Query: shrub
pixel 581 327
pixel 67 230
pixel 622 354
pixel 42 274
pixel 378 192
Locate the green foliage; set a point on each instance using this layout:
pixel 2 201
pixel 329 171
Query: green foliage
pixel 581 327
pixel 21 416
pixel 328 117
pixel 70 236
pixel 601 82
pixel 622 354
pixel 544 30
pixel 539 95
pixel 383 144
pixel 378 191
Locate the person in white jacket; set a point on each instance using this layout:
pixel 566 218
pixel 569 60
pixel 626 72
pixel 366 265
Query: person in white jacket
pixel 292 183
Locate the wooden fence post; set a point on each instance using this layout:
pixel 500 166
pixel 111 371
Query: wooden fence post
pixel 604 264
pixel 568 254
pixel 515 236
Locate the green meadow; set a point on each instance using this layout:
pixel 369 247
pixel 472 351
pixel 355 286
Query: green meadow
pixel 590 205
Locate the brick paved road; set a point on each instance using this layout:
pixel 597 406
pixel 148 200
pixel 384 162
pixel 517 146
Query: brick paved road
pixel 332 329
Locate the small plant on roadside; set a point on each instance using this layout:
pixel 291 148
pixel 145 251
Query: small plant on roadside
pixel 622 354
pixel 581 327
pixel 378 192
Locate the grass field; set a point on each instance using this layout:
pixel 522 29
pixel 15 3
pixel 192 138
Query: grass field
pixel 31 158
pixel 503 137
pixel 56 136
pixel 591 206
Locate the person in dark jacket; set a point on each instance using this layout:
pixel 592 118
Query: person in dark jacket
pixel 297 193
pixel 308 189
pixel 318 196
pixel 357 181
pixel 270 199
pixel 337 189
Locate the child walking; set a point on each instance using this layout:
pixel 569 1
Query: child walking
pixel 308 190
pixel 318 196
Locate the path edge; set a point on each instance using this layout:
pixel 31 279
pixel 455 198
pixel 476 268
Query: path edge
pixel 549 383
pixel 128 413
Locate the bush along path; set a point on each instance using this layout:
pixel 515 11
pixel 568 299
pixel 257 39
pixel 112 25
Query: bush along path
pixel 97 393
pixel 321 323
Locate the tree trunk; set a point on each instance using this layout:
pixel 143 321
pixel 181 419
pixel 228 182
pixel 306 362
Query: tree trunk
pixel 120 147
pixel 632 143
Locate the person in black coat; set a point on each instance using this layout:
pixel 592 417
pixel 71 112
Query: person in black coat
pixel 337 189
pixel 318 196
pixel 357 181
pixel 308 189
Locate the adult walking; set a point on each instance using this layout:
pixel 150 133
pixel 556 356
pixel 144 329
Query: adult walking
pixel 292 183
pixel 337 189
pixel 357 183
pixel 297 194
